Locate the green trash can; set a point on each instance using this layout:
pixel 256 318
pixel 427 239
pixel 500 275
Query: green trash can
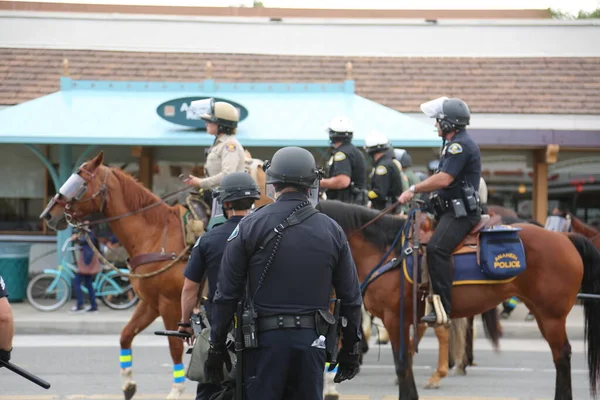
pixel 14 268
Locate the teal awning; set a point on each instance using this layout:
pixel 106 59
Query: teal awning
pixel 124 113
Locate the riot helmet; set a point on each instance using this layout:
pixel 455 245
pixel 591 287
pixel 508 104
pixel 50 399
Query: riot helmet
pixel 293 166
pixel 340 129
pixel 376 141
pixel 233 187
pixel 221 113
pixel 404 158
pixel 433 166
pixel 450 113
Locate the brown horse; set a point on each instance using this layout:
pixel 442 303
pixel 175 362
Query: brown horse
pixel 578 226
pixel 254 168
pixel 558 265
pixel 151 232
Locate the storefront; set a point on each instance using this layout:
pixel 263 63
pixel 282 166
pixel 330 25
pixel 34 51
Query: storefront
pixel 146 128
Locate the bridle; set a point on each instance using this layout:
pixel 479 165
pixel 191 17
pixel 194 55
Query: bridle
pixel 71 216
pixel 75 220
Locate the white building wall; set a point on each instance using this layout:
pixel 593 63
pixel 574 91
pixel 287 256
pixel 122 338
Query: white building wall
pixel 390 38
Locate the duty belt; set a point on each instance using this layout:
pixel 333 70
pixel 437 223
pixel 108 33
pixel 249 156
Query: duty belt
pixel 286 321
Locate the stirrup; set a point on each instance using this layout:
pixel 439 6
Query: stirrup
pixel 442 317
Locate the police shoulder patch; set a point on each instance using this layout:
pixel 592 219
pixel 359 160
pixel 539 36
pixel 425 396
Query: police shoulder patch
pixel 381 170
pixel 455 148
pixel 235 233
pixel 339 156
pixel 230 147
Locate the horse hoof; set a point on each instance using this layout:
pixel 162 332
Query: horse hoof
pixel 529 317
pixel 459 372
pixel 176 391
pixel 432 385
pixel 331 397
pixel 129 391
pixel 382 341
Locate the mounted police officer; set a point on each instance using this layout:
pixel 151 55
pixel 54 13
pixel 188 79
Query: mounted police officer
pixel 7 329
pixel 455 201
pixel 386 176
pixel 226 155
pixel 286 256
pixel 347 178
pixel 236 195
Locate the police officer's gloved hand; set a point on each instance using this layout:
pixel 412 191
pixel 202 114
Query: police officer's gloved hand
pixel 213 367
pixel 348 363
pixel 5 355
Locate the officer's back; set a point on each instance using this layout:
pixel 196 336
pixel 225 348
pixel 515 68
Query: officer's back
pixel 300 278
pixel 288 286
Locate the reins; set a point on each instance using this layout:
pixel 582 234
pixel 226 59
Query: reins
pixel 376 218
pixel 85 227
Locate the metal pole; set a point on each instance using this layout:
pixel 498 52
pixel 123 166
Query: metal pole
pixel 588 296
pixel 65 168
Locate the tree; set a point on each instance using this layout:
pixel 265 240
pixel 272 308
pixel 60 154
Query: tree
pixel 557 14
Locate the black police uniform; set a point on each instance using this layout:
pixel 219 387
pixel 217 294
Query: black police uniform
pixel 461 158
pixel 386 182
pixel 3 292
pixel 311 257
pixel 205 261
pixel 348 160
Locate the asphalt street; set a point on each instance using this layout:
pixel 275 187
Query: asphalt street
pixel 87 367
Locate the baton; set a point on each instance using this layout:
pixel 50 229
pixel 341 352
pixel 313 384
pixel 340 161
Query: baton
pixel 25 374
pixel 183 335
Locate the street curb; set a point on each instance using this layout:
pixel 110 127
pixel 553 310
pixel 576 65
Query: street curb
pixel 515 330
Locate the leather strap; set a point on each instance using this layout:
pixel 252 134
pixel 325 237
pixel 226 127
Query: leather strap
pixel 286 321
pixel 149 258
pixel 295 218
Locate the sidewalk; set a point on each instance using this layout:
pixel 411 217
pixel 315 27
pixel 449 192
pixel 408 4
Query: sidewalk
pixel 30 321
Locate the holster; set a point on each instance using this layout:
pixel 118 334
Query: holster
pixel 328 326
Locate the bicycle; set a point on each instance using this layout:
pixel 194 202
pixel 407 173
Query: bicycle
pixel 55 286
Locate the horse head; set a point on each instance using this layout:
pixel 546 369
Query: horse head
pixel 82 194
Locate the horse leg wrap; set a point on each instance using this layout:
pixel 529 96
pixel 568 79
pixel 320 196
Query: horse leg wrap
pixel 442 317
pixel 127 383
pixel 329 390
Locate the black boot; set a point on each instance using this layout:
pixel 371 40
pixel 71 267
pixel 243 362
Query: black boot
pixel 430 318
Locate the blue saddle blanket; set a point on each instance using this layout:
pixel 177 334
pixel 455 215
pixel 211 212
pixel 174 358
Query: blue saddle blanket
pixel 502 259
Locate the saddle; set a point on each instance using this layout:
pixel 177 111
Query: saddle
pixel 194 217
pixel 470 244
pixel 471 241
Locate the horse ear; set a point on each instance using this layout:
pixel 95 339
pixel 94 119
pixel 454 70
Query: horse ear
pixel 97 161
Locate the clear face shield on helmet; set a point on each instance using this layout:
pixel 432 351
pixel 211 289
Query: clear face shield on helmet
pixel 312 192
pixel 202 108
pixel 558 223
pixel 434 108
pixel 217 206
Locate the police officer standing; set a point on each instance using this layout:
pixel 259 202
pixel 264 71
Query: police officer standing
pixel 7 328
pixel 455 201
pixel 226 155
pixel 236 195
pixel 386 176
pixel 287 266
pixel 347 178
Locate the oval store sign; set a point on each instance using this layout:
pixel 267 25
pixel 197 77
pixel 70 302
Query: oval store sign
pixel 178 111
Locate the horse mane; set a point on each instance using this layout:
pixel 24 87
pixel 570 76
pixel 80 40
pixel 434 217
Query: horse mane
pixel 351 217
pixel 581 227
pixel 137 196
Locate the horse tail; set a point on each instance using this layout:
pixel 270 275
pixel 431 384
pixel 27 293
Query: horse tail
pixel 457 342
pixel 491 326
pixel 591 285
